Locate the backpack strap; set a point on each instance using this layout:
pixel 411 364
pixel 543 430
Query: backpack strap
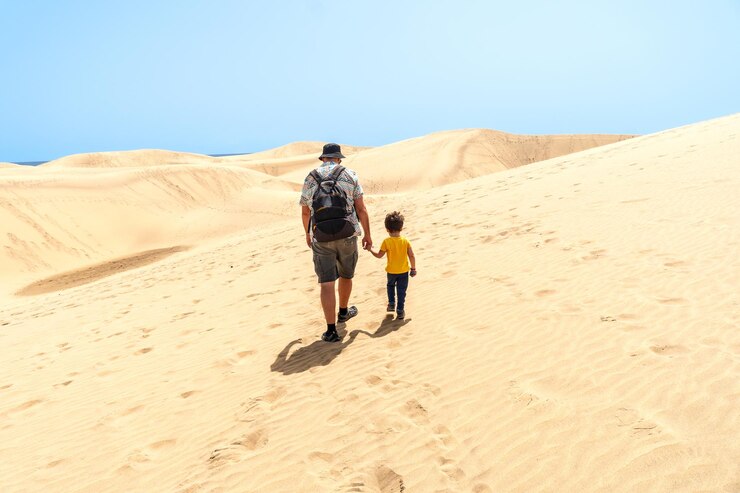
pixel 315 175
pixel 334 175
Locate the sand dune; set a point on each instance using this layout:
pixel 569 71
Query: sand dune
pixel 449 157
pixel 57 221
pixel 429 161
pixel 584 339
pixel 127 202
pixel 297 159
pixel 307 149
pixel 120 159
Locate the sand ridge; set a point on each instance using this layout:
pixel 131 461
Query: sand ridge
pixel 141 157
pixel 428 161
pixel 125 202
pixel 59 220
pixel 584 340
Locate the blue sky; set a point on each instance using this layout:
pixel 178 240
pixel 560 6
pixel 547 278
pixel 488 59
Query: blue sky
pixel 225 76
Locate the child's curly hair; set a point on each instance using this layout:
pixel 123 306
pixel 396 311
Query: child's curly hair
pixel 394 221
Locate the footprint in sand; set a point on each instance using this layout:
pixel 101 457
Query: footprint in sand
pixel 389 481
pixel 182 315
pixel 54 463
pixel 162 444
pixel 672 301
pixel 132 410
pixel 238 448
pixel 414 410
pixel 275 394
pixel 594 255
pixel 235 360
pixel 632 420
pixel 668 349
pixel 26 405
pixel 146 331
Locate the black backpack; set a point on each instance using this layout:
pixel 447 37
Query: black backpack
pixel 331 213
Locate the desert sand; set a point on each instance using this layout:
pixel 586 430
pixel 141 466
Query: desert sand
pixel 573 326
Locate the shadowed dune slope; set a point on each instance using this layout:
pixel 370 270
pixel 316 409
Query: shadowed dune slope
pixel 58 220
pixel 573 327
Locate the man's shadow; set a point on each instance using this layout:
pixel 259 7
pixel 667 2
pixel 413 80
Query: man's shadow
pixel 320 353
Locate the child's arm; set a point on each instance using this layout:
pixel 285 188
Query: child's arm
pixel 380 253
pixel 412 260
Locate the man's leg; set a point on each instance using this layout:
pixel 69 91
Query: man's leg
pixel 346 262
pixel 345 290
pixel 329 300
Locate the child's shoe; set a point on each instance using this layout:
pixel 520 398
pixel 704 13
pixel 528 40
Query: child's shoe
pixel 391 307
pixel 400 315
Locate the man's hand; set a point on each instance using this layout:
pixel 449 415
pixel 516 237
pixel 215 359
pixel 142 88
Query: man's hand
pixel 308 240
pixel 367 242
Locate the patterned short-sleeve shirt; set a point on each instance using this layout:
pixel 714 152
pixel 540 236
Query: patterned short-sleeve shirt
pixel 347 181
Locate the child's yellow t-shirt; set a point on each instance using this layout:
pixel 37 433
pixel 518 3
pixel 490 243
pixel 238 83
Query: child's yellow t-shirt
pixel 397 249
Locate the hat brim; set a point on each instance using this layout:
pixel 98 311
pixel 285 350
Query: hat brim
pixel 333 154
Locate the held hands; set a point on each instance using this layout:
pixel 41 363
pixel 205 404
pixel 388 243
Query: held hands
pixel 367 243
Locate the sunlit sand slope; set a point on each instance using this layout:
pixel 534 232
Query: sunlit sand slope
pixel 573 327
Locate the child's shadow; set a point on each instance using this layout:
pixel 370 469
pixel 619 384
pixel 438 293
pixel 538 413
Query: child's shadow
pixel 320 353
pixel 388 325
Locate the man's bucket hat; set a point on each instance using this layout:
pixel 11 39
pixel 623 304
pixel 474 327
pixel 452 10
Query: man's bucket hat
pixel 332 150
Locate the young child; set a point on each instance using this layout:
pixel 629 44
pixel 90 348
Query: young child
pixel 401 262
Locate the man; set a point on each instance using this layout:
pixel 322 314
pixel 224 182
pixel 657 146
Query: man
pixel 335 260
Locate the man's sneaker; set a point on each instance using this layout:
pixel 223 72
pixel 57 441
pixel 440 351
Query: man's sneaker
pixel 400 315
pixel 351 312
pixel 391 307
pixel 330 336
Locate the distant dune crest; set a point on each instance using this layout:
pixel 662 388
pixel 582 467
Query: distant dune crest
pixel 294 149
pixel 86 208
pixel 452 156
pixel 116 159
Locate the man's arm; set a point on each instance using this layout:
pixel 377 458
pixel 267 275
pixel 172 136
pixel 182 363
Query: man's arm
pixel 362 215
pixel 306 217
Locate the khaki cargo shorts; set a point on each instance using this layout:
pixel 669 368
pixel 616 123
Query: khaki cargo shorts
pixel 335 259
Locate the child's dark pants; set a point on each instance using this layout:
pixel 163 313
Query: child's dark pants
pixel 398 282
